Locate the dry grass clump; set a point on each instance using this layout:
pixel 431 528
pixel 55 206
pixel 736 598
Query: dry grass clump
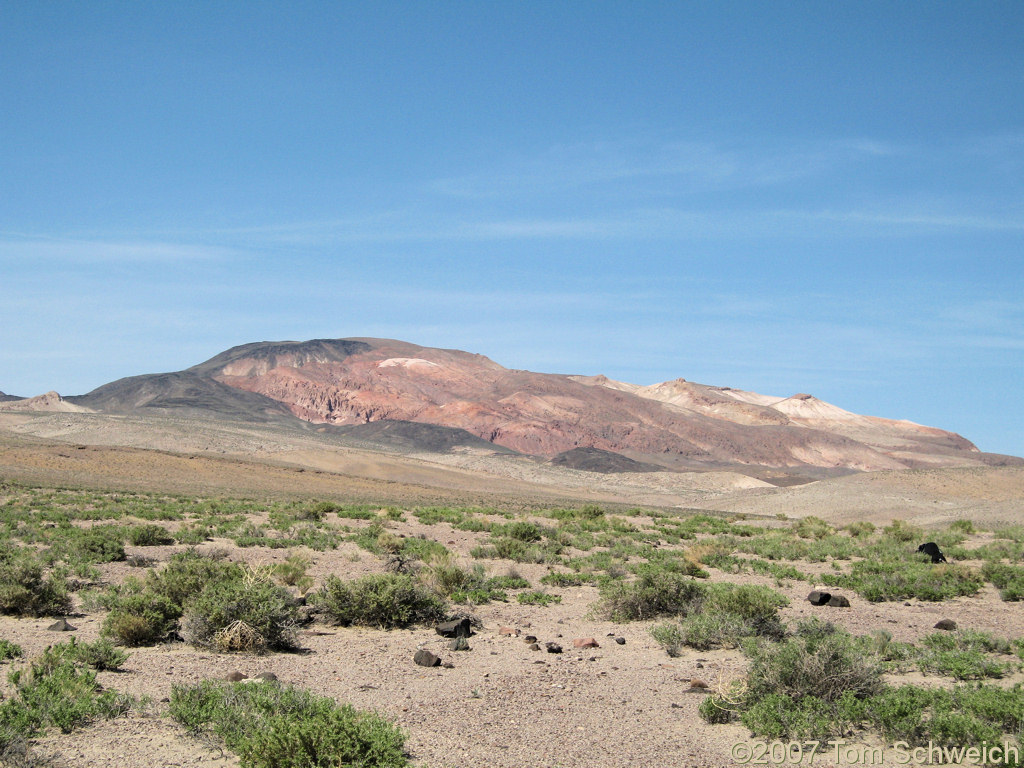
pixel 227 615
pixel 239 637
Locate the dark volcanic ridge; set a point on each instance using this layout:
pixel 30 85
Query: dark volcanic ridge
pixel 606 462
pixel 181 391
pixel 409 436
pixel 5 398
pixel 407 397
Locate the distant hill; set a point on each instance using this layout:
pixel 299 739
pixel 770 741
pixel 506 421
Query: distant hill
pixel 378 389
pixel 410 436
pixel 184 390
pixel 606 462
pixel 4 398
pixel 50 401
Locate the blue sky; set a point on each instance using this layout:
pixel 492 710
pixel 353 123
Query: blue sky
pixel 783 197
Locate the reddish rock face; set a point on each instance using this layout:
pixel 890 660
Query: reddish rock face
pixel 678 424
pixel 356 381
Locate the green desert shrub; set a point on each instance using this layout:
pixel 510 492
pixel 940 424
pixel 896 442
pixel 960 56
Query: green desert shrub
pixel 727 614
pixel 446 577
pixel 669 635
pixel 462 585
pixel 966 715
pixel 716 709
pixel 704 631
pixel 519 530
pixel 812 527
pixel 672 562
pixel 101 544
pixel 777 716
pixel 823 665
pixel 143 618
pixel 273 726
pixel 651 595
pixel 192 534
pixel 757 606
pixel 561 579
pixel 537 598
pixel 963 655
pixel 1008 579
pixel 150 535
pixel 27 590
pixel 824 682
pixel 963 526
pixel 902 531
pixel 860 528
pixel 525 552
pixel 880 581
pixel 56 690
pixel 897 656
pixel 810 686
pixel 242 615
pixel 965 664
pixel 101 655
pixel 387 601
pixel 9 650
pixel 292 572
pixel 188 573
pixel 511 580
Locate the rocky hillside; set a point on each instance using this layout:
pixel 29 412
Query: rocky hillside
pixel 675 424
pixel 49 402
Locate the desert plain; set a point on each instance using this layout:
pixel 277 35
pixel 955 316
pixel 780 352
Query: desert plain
pixel 620 701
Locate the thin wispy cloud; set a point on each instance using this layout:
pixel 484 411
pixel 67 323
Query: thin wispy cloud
pixel 691 166
pixel 56 249
pixel 912 220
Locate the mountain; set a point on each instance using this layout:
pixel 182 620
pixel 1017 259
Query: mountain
pixel 49 401
pixel 188 390
pixel 4 398
pixel 676 424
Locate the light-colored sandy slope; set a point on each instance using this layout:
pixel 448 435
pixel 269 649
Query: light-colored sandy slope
pixel 902 443
pixel 181 455
pixel 987 495
pixel 48 402
pixel 469 473
pixel 663 489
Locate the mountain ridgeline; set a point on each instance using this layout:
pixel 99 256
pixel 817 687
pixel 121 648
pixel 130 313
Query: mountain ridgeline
pixel 460 398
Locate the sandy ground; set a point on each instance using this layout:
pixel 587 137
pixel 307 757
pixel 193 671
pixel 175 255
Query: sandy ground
pixel 501 704
pixel 182 455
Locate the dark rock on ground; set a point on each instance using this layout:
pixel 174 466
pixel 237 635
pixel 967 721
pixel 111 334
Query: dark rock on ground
pixel 597 460
pixel 455 628
pixel 620 640
pixel 947 624
pixel 819 598
pixel 425 658
pixel 61 625
pixel 553 647
pixel 838 601
pixel 234 677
